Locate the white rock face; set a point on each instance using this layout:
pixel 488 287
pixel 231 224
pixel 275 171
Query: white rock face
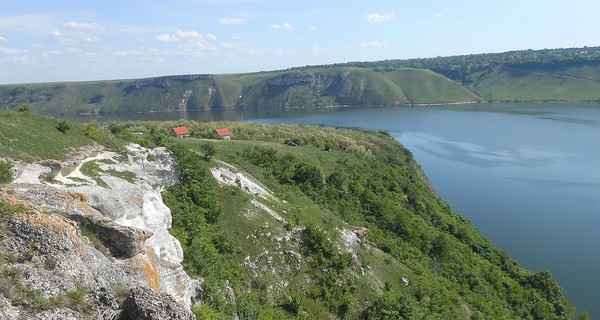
pixel 136 204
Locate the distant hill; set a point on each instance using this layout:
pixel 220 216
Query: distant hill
pixel 527 75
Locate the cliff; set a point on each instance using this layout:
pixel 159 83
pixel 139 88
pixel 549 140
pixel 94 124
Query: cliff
pixel 102 236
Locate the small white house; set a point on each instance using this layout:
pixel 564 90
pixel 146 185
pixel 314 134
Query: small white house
pixel 223 133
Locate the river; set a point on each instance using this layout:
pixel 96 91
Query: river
pixel 526 175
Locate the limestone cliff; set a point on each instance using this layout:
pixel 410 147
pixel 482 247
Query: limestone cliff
pixel 96 224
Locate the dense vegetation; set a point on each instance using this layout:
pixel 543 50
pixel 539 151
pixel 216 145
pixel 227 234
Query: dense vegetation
pixel 528 75
pixel 364 179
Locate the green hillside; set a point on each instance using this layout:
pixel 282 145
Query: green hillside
pixel 366 181
pixel 541 84
pixel 345 216
pixel 307 88
pixel 28 136
pixel 529 75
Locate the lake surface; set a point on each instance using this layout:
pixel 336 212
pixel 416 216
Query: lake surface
pixel 526 175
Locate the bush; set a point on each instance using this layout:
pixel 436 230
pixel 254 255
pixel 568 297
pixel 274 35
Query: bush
pixel 63 126
pixel 92 132
pixel 24 108
pixel 6 174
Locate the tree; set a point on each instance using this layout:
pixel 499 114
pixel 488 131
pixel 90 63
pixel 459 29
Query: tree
pixel 209 150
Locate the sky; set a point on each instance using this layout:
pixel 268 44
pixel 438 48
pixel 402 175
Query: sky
pixel 76 40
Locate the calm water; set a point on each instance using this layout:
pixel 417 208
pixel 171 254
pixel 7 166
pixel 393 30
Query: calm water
pixel 526 175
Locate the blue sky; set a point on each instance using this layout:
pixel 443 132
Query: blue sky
pixel 61 40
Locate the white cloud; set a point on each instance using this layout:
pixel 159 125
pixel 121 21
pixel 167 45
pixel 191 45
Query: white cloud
pixel 166 38
pixel 377 18
pixel 187 34
pixel 255 51
pixel 74 50
pixel 232 21
pixel 317 49
pixel 3 39
pixel 74 31
pixel 13 51
pixel 231 45
pixel 284 26
pixel 316 11
pixel 284 52
pixel 30 22
pixel 51 53
pixel 81 26
pixel 15 56
pixel 71 37
pixel 438 15
pixel 180 35
pixel 126 53
pixel 313 28
pixel 372 44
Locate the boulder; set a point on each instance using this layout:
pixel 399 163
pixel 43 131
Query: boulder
pixel 146 304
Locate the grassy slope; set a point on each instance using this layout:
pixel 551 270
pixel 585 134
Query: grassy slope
pixel 507 83
pixel 28 136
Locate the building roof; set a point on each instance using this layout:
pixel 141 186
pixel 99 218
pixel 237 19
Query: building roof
pixel 223 132
pixel 181 130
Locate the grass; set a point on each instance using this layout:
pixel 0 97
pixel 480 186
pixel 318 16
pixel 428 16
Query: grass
pixel 93 170
pixel 125 175
pixel 31 137
pixel 540 85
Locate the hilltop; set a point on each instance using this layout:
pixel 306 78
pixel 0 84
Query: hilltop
pixel 527 75
pixel 283 222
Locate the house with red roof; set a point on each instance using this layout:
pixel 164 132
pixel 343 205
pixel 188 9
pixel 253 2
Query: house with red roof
pixel 180 132
pixel 223 133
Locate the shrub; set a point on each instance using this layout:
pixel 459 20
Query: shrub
pixel 24 108
pixel 63 126
pixel 6 174
pixel 92 132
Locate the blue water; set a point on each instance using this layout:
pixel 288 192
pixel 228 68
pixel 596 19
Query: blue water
pixel 526 175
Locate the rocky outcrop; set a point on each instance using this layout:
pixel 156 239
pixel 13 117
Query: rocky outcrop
pixel 292 79
pixel 127 243
pixel 145 304
pixel 122 241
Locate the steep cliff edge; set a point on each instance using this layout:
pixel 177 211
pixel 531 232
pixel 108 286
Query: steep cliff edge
pixel 96 226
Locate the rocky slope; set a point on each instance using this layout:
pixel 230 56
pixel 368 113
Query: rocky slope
pixel 96 225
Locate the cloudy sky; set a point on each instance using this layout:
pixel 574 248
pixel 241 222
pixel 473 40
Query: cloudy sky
pixel 75 40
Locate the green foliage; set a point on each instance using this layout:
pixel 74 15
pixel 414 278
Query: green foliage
pixel 93 170
pixel 208 149
pixel 392 307
pixel 6 174
pixel 92 132
pixel 24 108
pixel 195 211
pixel 63 126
